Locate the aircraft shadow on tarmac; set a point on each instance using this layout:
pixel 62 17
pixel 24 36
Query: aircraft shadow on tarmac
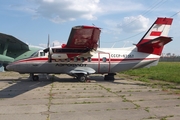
pixel 15 87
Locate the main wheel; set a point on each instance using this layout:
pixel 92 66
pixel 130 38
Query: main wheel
pixel 82 78
pixel 106 77
pixel 109 77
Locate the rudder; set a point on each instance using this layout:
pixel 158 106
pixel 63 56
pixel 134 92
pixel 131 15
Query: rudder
pixel 157 34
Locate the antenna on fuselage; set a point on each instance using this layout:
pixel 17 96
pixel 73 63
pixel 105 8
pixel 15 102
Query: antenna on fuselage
pixel 113 45
pixel 48 44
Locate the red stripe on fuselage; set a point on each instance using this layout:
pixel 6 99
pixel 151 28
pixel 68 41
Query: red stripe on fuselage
pixel 32 60
pixel 94 60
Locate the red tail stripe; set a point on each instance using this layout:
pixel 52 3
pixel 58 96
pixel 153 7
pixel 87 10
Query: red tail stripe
pixel 155 33
pixel 165 21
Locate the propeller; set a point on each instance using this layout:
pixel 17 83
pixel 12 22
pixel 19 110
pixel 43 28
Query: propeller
pixel 48 50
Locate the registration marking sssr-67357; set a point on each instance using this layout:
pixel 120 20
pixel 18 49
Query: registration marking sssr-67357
pixel 122 55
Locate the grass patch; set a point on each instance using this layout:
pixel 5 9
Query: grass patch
pixel 147 109
pixel 165 71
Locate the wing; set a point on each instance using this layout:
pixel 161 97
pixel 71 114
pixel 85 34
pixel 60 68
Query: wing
pixel 82 40
pixel 84 37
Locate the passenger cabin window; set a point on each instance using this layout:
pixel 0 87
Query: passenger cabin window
pixel 89 59
pixel 68 60
pixel 62 60
pixel 104 59
pixel 82 59
pixel 75 59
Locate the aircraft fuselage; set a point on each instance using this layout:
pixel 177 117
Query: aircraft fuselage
pixel 102 61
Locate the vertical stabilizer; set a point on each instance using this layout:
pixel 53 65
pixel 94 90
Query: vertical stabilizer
pixel 156 37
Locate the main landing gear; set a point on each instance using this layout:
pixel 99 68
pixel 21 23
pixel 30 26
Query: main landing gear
pixel 34 77
pixel 109 77
pixel 81 77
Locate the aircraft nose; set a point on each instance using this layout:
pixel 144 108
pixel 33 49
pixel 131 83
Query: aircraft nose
pixel 10 67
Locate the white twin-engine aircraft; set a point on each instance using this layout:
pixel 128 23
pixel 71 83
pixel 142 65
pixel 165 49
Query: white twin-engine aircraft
pixel 81 56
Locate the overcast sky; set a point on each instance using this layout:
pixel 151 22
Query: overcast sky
pixel 123 22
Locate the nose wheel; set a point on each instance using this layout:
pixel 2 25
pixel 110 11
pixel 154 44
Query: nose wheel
pixel 34 77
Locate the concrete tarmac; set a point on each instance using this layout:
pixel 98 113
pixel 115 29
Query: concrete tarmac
pixel 63 98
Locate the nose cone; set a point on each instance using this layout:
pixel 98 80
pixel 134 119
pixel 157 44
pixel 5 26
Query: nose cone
pixel 10 67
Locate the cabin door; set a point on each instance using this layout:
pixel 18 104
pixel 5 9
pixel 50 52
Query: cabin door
pixel 104 62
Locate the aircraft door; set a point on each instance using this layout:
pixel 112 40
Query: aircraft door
pixel 104 62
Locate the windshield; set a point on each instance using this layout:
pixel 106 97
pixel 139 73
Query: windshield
pixel 35 54
pixel 39 53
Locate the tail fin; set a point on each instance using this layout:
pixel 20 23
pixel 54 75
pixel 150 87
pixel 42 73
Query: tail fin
pixel 156 37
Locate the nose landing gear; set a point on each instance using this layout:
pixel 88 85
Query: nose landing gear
pixel 34 77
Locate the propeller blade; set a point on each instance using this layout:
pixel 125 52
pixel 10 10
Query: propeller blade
pixel 48 44
pixel 46 50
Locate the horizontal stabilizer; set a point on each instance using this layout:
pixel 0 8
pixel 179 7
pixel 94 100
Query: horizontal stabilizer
pixel 154 46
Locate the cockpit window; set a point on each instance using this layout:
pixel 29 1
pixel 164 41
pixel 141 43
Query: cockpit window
pixel 39 53
pixel 42 54
pixel 35 54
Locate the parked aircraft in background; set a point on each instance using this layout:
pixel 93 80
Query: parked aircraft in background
pixel 80 57
pixel 12 49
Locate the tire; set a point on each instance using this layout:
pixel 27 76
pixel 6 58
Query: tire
pixel 82 78
pixel 109 77
pixel 35 78
pixel 106 77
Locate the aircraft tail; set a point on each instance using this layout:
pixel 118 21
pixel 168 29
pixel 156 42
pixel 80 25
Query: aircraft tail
pixel 156 37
